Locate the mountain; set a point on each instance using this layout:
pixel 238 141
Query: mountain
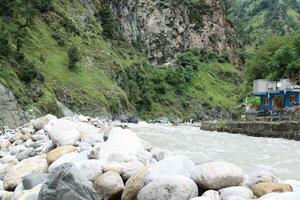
pixel 257 20
pixel 118 58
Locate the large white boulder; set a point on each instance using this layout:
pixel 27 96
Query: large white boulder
pixel 89 133
pixel 176 165
pixel 126 143
pixel 171 188
pixel 217 175
pixel 72 158
pixel 64 132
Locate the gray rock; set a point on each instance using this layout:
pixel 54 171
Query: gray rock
pixel 67 183
pixel 33 179
pixel 236 191
pixel 176 165
pixel 109 185
pixel 217 175
pixel 169 188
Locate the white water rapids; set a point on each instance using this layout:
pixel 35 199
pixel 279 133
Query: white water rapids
pixel 203 146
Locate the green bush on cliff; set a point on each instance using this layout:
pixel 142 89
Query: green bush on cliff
pixel 74 57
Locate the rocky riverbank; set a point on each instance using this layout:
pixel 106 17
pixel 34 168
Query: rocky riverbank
pixel 91 159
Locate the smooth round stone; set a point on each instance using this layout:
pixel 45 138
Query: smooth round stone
pixel 173 187
pixel 240 191
pixel 109 185
pixel 59 152
pixel 217 175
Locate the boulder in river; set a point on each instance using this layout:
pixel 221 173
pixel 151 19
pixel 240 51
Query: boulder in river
pixel 263 188
pixel 67 183
pixel 217 175
pixel 171 188
pixel 175 165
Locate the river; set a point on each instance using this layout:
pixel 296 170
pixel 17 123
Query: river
pixel 203 146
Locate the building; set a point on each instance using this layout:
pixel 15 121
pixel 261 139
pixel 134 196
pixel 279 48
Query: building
pixel 276 96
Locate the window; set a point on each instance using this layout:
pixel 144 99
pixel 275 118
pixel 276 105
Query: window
pixel 293 99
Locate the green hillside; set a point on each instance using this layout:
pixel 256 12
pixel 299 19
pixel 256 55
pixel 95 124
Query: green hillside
pixel 57 50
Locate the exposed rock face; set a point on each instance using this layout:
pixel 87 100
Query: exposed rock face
pixel 167 28
pixel 10 114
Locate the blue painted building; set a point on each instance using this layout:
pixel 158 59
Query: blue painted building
pixel 276 96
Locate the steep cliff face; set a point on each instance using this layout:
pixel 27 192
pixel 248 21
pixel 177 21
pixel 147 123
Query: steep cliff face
pixel 10 114
pixel 167 28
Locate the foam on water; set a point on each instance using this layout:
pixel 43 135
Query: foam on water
pixel 203 146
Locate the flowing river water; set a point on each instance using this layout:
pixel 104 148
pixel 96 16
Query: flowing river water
pixel 203 146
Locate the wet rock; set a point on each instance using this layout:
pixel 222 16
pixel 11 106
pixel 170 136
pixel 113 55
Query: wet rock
pixel 67 183
pixel 261 174
pixel 236 191
pixel 59 152
pixel 64 132
pixel 172 188
pixel 109 185
pixel 217 175
pixel 176 165
pixel 33 179
pixel 134 184
pixel 263 188
pixel 15 175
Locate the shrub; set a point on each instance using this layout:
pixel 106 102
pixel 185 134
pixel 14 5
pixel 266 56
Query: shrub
pixel 74 57
pixel 28 72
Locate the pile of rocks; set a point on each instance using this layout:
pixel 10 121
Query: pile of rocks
pixel 89 159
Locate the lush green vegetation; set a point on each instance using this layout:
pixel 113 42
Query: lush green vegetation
pixel 277 58
pixel 195 85
pixel 256 21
